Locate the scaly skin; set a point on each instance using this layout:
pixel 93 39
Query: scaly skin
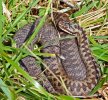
pixel 78 71
pixel 84 80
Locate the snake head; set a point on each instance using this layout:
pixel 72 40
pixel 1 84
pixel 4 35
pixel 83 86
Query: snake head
pixel 63 22
pixel 68 27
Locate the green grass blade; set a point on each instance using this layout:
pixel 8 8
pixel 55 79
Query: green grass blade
pixel 6 90
pixel 63 97
pixel 1 22
pixel 39 25
pixel 99 85
pixel 25 74
pixel 22 15
pixel 84 9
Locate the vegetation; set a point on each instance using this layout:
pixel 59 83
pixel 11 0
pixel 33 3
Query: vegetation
pixel 15 83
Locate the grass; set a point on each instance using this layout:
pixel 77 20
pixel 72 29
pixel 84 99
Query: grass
pixel 15 83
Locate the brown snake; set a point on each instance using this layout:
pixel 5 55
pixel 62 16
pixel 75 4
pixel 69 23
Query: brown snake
pixel 78 70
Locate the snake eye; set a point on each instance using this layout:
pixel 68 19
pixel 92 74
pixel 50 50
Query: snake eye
pixel 62 25
pixel 76 25
pixel 66 23
pixel 68 27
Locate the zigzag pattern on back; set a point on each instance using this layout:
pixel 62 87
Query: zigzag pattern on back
pixel 91 69
pixel 78 70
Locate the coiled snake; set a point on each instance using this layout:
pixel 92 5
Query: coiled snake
pixel 77 72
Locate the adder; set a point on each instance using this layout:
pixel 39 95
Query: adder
pixel 76 71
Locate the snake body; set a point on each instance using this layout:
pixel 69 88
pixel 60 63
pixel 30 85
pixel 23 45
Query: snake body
pixel 78 70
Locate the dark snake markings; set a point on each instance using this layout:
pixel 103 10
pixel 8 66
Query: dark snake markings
pixel 78 69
